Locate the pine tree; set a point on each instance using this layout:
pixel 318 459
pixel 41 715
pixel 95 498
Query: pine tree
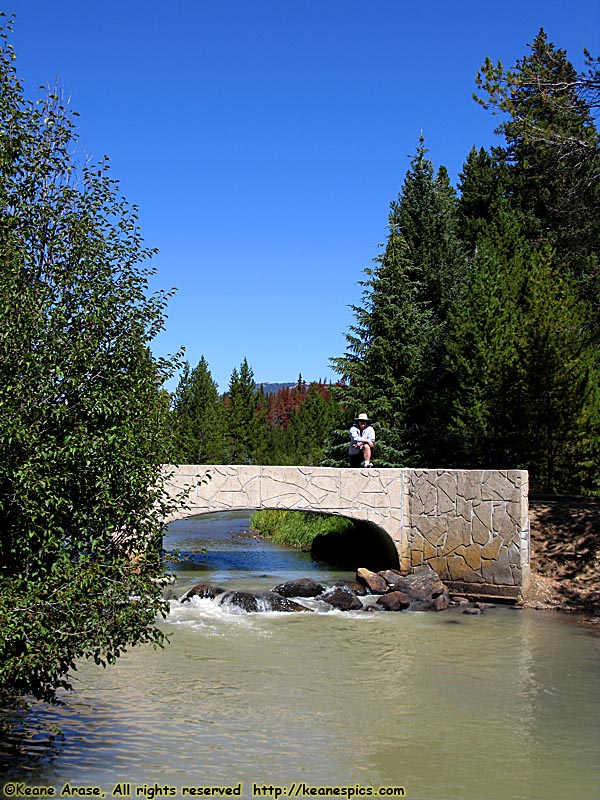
pixel 483 369
pixel 245 417
pixel 524 389
pixel 481 186
pixel 310 425
pixel 552 155
pixel 391 367
pixel 198 417
pixel 560 404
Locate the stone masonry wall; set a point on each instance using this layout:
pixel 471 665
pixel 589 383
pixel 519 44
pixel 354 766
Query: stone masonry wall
pixel 470 526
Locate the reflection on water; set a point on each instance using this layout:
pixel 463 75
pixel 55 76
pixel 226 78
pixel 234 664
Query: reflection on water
pixel 446 705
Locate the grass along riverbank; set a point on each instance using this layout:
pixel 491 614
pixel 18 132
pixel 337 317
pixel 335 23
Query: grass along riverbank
pixel 297 528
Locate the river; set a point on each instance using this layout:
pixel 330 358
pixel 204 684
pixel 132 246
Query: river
pixel 439 706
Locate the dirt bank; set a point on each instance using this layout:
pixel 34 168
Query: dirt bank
pixel 565 554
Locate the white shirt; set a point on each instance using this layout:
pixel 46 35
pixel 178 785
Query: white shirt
pixel 356 436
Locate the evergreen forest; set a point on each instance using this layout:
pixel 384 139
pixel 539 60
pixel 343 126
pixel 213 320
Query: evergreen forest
pixel 476 343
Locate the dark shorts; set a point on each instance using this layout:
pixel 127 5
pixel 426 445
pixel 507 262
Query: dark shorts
pixel 356 460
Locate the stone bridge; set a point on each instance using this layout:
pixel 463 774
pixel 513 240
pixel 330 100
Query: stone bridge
pixel 470 526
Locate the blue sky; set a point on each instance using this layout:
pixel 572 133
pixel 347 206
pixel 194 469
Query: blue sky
pixel 263 141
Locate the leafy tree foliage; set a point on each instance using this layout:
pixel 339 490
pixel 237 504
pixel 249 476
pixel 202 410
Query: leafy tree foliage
pixel 83 422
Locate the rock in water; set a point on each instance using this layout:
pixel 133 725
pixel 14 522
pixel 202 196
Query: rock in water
pixel 394 601
pixel 392 577
pixel 245 600
pixel 374 582
pixel 277 602
pixel 354 587
pixel 341 599
pixel 303 587
pixel 202 590
pixel 260 601
pixel 425 590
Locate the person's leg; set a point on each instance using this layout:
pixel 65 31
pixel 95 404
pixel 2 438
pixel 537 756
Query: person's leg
pixel 367 453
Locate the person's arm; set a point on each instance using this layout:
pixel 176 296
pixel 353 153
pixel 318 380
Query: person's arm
pixel 356 437
pixel 369 435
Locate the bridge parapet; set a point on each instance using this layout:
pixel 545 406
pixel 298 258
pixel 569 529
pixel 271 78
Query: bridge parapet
pixel 470 526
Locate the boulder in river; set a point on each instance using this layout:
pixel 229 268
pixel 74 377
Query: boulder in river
pixel 302 587
pixel 425 590
pixel 372 580
pixel 341 599
pixel 394 601
pixel 202 590
pixel 355 587
pixel 260 601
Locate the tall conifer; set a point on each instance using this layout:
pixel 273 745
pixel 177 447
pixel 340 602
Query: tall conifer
pixel 198 417
pixel 552 155
pixel 391 367
pixel 523 365
pixel 245 417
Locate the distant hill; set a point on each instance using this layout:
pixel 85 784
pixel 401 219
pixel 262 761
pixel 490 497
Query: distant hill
pixel 273 388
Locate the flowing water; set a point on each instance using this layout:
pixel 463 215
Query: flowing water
pixel 439 706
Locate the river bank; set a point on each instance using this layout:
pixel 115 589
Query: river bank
pixel 565 555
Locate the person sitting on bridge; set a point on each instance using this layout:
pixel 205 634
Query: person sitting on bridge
pixel 362 441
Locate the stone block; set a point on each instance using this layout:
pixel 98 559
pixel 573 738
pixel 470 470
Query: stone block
pixel 464 508
pixel 459 533
pixel 233 500
pixel 433 529
pixel 440 566
pixel 378 499
pixel 429 550
pixel 497 485
pixel 459 570
pixel 423 500
pixel 326 484
pixel 355 483
pixel 446 492
pixel 487 570
pixel 492 549
pixel 445 504
pixel 472 556
pixel 469 484
pixel 501 570
pixel 517 574
pixel 393 488
pixel 480 532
